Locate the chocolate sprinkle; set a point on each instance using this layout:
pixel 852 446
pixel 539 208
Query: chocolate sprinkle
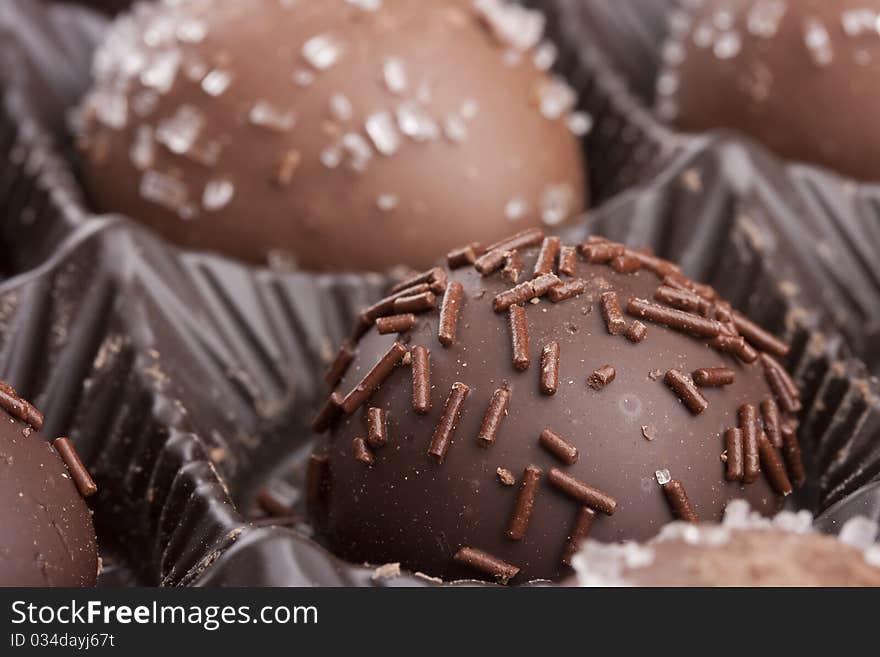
pixel 772 466
pixel 435 278
pixel 748 422
pixel 494 256
pixel 583 493
pixel 614 321
pixel 791 452
pixel 550 368
pixel 758 337
pixel 19 408
pixel 601 252
pixel 78 471
pixel 525 503
pixel 523 292
pixel 636 332
pixel 567 290
pixel 770 415
pixel 485 563
pixel 421 380
pixel 625 264
pixel 329 413
pixel 466 255
pixel 416 303
pixel 583 523
pixel 674 319
pixel 361 452
pixel 505 476
pixel 495 412
pixel 558 446
pixel 377 431
pixel 680 299
pixel 395 323
pixel 567 260
pixel 442 438
pixel 449 313
pixel 676 497
pixel 513 267
pixel 547 256
pixel 686 391
pixel 781 385
pixel 519 334
pixel 733 441
pixel 714 377
pixel 373 379
pixel 601 377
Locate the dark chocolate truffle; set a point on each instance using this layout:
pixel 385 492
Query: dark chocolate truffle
pixel 47 536
pixel 746 550
pixel 352 134
pixel 798 76
pixel 596 392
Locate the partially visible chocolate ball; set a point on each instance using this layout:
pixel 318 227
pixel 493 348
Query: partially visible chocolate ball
pixel 743 551
pixel 348 134
pixel 798 76
pixel 487 418
pixel 47 536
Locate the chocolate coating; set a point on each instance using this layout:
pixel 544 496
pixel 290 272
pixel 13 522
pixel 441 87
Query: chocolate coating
pixel 407 507
pixel 798 76
pixel 47 537
pixel 343 136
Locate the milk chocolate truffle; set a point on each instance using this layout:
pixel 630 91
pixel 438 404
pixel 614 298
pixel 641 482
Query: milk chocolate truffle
pixel 487 418
pixel 745 550
pixel 47 537
pixel 353 134
pixel 798 76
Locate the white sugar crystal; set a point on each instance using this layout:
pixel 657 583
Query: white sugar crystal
pixel 667 108
pixel 556 98
pixel 266 115
pixel 415 123
pixel 738 515
pixel 728 45
pixel 358 149
pixel 580 123
pixel 322 51
pixel 111 109
pixel 181 130
pixel 195 68
pixel 857 22
pixel 704 35
pixel 424 93
pixel 144 102
pixel 161 71
pixel 191 31
pixel 217 194
pixel 469 109
pixel 216 82
pixel 556 204
pixel 163 190
pixel 512 58
pixel 667 83
pixel 303 77
pixel 673 53
pixel 663 477
pixel 366 5
pixel 859 532
pixel 382 131
pixel 340 107
pixel 818 42
pixel 331 157
pixel 722 19
pixel 394 74
pixel 872 556
pixel 764 17
pixel 387 202
pixel 455 129
pixel 545 56
pixel 143 152
pixel 799 523
pixel 515 209
pixel 512 25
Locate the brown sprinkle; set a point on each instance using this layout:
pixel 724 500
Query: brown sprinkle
pixel 625 264
pixel 601 377
pixel 494 256
pixel 733 442
pixel 386 305
pixel 687 392
pixel 273 505
pixel 495 412
pixel 340 365
pixel 678 298
pixel 485 563
pixel 781 384
pixel 431 277
pixel 329 413
pixel 583 522
pixel 674 319
pixel 374 378
pixel 567 290
pixel 758 337
pixel 19 408
pixel 361 452
pixel 676 497
pixel 525 503
pixel 317 478
pixel 449 313
pixel 524 292
pixel 519 334
pixel 649 431
pixel 558 446
pixel 547 256
pixel 714 377
pixel 550 368
pixel 772 466
pixel 377 430
pixel 466 255
pixel 421 380
pixel 748 422
pixel 417 303
pixel 395 323
pixel 614 321
pixel 649 261
pixel 583 493
pixel 78 471
pixel 601 252
pixel 770 415
pixel 791 452
pixel 636 332
pixel 513 267
pixel 442 438
pixel 567 260
pixel 505 476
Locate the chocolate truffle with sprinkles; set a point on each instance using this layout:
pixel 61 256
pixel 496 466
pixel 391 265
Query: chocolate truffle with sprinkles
pixel 46 532
pixel 549 389
pixel 339 134
pixel 797 75
pixel 744 550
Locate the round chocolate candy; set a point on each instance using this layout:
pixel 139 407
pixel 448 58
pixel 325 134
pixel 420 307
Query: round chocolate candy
pixel 487 418
pixel 47 538
pixel 745 550
pixel 341 134
pixel 797 76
